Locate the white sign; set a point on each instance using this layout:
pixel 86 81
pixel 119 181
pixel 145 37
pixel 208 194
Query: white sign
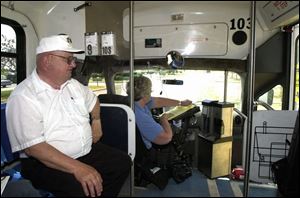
pixel 92 44
pixel 270 132
pixel 108 41
pixel 277 9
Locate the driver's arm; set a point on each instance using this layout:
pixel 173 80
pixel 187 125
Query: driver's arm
pixel 166 135
pixel 167 102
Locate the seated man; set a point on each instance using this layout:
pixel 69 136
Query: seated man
pixel 151 131
pixel 48 123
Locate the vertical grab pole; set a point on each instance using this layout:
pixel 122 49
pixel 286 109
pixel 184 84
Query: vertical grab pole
pixel 131 55
pixel 131 83
pixel 250 79
pixel 225 85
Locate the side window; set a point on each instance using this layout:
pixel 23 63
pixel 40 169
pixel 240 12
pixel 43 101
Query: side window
pixel 97 83
pixel 13 62
pixel 273 98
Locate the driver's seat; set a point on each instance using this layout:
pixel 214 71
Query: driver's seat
pixel 143 165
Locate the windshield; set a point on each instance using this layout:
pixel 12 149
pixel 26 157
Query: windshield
pixel 197 86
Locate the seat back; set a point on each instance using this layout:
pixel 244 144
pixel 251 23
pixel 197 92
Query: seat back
pixel 140 147
pixel 114 99
pixel 7 156
pixel 142 162
pixel 118 126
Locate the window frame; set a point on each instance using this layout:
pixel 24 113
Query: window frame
pixel 295 74
pixel 20 54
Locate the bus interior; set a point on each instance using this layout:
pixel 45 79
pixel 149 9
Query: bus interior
pixel 237 61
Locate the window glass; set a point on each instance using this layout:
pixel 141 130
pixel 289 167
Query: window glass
pixel 8 68
pixel 8 64
pixel 272 98
pixel 97 83
pixel 234 92
pixel 8 39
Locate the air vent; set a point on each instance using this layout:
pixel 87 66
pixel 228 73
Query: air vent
pixel 177 17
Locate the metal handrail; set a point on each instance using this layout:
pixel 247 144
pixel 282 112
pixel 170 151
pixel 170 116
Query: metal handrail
pixel 264 104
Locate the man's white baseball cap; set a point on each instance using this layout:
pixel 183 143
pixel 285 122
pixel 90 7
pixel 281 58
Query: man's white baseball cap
pixel 57 43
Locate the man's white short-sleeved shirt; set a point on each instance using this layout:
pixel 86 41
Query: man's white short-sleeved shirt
pixel 38 113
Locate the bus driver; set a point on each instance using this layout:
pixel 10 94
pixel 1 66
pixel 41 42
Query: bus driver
pixel 151 131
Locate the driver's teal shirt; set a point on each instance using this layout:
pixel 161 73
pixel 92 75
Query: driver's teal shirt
pixel 148 127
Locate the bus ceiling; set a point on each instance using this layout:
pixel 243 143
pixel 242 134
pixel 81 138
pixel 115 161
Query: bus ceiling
pixel 198 30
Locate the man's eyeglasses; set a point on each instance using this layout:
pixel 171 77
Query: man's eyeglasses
pixel 70 59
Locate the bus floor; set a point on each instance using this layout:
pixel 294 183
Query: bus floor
pixel 198 185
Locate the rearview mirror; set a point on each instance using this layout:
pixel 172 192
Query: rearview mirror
pixel 173 82
pixel 174 59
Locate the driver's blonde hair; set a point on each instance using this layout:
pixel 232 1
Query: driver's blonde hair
pixel 142 87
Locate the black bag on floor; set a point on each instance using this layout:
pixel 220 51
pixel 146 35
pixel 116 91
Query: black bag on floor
pixel 279 168
pixel 146 173
pixel 286 170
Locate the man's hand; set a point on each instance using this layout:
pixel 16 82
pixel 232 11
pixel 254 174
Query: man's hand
pixel 185 102
pixel 164 117
pixel 89 178
pixel 96 130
